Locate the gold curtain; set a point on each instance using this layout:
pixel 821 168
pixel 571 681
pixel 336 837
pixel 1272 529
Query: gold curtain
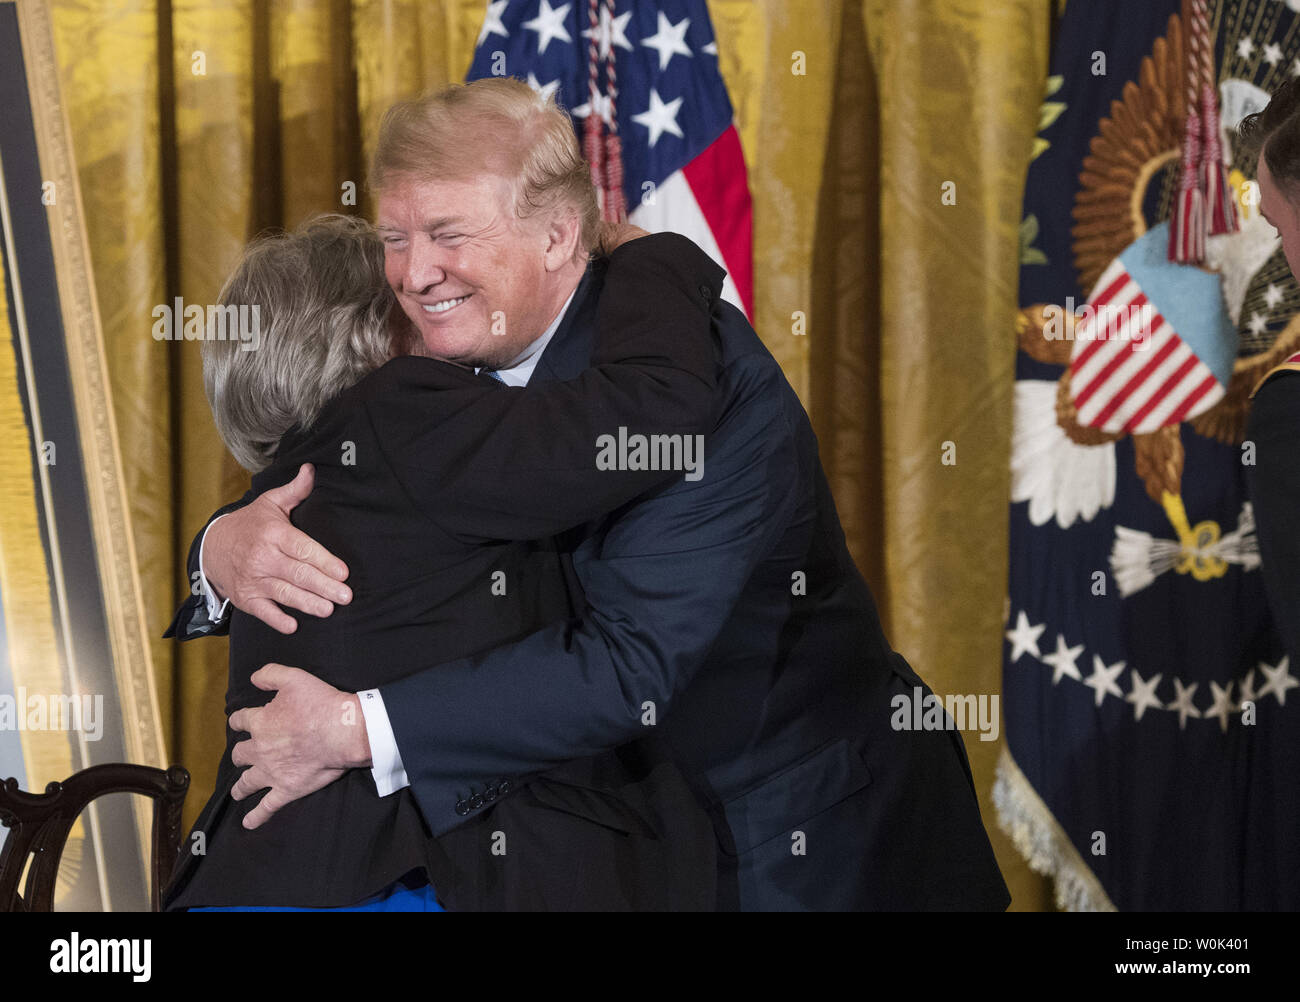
pixel 197 125
pixel 959 85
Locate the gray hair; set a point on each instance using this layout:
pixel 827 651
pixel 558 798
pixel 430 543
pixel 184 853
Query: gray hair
pixel 325 318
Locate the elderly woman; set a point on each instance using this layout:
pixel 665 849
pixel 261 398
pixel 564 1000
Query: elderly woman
pixel 439 487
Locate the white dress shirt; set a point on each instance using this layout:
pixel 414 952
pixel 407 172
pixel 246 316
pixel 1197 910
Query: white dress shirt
pixel 385 760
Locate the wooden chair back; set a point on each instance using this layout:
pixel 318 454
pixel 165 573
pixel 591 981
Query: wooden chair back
pixel 39 824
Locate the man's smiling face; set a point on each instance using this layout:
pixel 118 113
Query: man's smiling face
pixel 470 275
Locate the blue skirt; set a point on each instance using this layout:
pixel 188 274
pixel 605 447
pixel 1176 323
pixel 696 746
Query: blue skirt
pixel 399 898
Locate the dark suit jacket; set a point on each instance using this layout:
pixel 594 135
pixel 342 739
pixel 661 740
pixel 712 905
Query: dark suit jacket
pixel 729 633
pixel 729 607
pixel 428 481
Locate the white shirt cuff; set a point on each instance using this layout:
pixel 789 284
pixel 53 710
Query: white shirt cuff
pixel 216 608
pixel 385 760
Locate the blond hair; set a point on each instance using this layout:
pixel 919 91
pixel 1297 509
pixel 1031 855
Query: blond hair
pixel 499 125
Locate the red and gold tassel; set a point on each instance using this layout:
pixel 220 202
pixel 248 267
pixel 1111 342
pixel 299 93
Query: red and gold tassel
pixel 1187 224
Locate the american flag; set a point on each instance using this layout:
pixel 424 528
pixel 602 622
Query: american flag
pixel 682 165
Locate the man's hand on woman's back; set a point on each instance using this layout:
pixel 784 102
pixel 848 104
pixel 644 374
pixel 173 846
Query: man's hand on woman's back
pixel 256 558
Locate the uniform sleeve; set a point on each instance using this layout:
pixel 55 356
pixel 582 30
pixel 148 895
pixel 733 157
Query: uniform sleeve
pixel 1274 482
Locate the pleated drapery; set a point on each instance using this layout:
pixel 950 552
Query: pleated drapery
pixel 196 125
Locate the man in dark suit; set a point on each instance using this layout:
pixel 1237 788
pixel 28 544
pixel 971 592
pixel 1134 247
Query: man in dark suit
pixel 728 630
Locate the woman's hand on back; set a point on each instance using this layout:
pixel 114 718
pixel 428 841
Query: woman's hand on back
pixel 260 561
pixel 613 235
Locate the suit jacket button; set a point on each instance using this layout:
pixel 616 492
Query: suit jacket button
pixel 705 291
pixel 503 787
pixel 462 808
pixel 476 801
pixel 490 794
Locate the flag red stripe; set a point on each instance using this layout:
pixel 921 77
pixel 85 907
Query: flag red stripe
pixel 718 180
pixel 1109 368
pixel 1174 379
pixel 1107 295
pixel 1171 345
pixel 1207 384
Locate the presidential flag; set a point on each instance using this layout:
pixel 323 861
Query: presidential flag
pixel 1151 745
pixel 641 81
